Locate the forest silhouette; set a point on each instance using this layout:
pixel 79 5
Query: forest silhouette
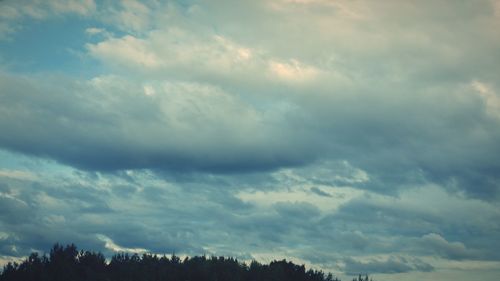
pixel 66 263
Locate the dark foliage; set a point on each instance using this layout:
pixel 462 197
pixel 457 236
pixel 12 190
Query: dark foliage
pixel 68 264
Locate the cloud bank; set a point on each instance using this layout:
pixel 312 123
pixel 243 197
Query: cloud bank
pixel 353 136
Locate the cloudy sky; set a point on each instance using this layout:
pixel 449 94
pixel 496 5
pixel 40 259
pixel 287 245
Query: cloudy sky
pixel 352 136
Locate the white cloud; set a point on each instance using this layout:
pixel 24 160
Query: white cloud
pixel 128 50
pixel 293 71
pixel 452 250
pixel 18 174
pixel 176 50
pixel 9 12
pixel 190 53
pixel 496 8
pixel 490 97
pixel 84 7
pixel 95 31
pixel 12 13
pixel 133 15
pixel 345 9
pixel 111 245
pixel 299 194
pixel 149 90
pixel 4 260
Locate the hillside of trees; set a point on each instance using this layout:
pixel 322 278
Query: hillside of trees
pixel 66 263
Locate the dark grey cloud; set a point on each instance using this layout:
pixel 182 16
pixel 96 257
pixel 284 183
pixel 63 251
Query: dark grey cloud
pixel 96 130
pixel 13 210
pixel 415 139
pixel 392 218
pixel 320 192
pixel 367 223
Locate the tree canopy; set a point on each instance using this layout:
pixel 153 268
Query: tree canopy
pixel 66 263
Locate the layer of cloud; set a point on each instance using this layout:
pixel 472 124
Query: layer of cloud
pixel 362 105
pixel 352 136
pixel 452 250
pixel 348 232
pixel 14 13
pixel 109 123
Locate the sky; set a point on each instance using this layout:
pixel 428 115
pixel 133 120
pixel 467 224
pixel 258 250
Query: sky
pixel 351 136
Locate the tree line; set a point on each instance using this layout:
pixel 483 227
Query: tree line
pixel 66 263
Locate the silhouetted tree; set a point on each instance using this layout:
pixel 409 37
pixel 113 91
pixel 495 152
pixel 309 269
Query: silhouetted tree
pixel 66 263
